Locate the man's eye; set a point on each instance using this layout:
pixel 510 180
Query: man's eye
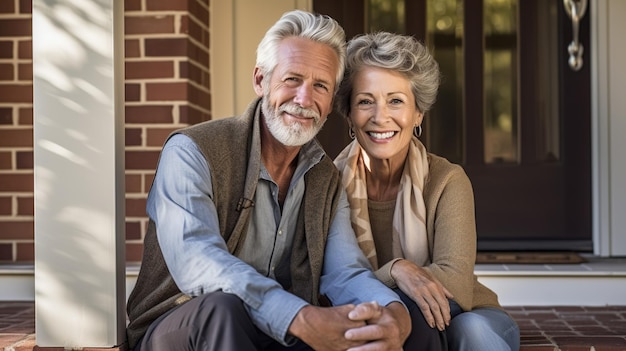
pixel 323 86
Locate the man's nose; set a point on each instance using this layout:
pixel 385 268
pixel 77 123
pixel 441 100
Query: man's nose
pixel 304 95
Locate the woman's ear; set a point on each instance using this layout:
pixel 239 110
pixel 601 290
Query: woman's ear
pixel 419 119
pixel 257 81
pixel 349 120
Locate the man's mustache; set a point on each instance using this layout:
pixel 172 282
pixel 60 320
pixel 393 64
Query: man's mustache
pixel 294 109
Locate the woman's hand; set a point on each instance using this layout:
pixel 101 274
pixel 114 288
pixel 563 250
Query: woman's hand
pixel 427 292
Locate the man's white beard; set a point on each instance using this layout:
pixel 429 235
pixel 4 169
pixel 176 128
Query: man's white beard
pixel 294 134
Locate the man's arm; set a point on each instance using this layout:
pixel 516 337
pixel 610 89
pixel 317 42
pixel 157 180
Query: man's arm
pixel 347 279
pixel 181 205
pixel 347 275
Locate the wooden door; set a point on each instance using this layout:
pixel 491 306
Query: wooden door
pixel 510 110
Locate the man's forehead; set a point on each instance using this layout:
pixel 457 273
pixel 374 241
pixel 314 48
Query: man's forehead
pixel 307 57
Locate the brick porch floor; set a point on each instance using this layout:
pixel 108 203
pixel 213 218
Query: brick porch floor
pixel 543 328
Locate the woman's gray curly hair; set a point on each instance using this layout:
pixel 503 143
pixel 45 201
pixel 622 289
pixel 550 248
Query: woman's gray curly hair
pixel 395 52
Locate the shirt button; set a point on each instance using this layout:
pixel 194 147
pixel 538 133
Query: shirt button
pixel 280 232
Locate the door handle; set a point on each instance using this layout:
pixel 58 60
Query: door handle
pixel 575 9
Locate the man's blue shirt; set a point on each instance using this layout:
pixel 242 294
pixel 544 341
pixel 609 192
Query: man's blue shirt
pixel 181 205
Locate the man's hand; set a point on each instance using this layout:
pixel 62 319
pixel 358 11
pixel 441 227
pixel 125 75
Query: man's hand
pixel 324 328
pixel 427 292
pixel 387 327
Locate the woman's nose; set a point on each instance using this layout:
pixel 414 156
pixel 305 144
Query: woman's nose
pixel 381 112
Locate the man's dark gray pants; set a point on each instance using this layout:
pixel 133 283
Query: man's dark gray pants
pixel 215 321
pixel 219 322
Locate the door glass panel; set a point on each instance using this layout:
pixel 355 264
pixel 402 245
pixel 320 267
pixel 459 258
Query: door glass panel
pixel 501 123
pixel 444 123
pixel 545 89
pixel 385 15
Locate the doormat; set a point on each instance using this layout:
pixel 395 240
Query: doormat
pixel 529 257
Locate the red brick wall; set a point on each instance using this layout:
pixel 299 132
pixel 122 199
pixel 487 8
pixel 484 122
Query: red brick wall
pixel 16 132
pixel 167 87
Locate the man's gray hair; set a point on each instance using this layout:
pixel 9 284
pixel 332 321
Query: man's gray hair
pixel 298 23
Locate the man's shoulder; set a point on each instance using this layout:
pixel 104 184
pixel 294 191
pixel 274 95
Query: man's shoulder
pixel 221 123
pixel 327 165
pixel 223 131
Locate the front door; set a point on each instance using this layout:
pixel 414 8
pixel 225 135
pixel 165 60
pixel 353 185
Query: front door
pixel 511 110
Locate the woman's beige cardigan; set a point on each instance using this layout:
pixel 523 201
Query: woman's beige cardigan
pixel 451 230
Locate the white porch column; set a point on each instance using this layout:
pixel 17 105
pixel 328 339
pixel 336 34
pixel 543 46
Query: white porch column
pixel 608 54
pixel 79 173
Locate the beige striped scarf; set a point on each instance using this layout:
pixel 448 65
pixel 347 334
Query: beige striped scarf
pixel 409 219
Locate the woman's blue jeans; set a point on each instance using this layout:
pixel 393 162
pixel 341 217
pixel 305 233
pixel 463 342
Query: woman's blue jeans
pixel 482 329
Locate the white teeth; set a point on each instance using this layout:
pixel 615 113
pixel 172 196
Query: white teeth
pixel 381 135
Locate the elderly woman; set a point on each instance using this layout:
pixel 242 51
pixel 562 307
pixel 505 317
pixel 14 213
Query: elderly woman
pixel 413 211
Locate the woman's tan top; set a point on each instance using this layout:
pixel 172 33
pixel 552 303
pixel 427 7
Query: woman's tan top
pixel 381 221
